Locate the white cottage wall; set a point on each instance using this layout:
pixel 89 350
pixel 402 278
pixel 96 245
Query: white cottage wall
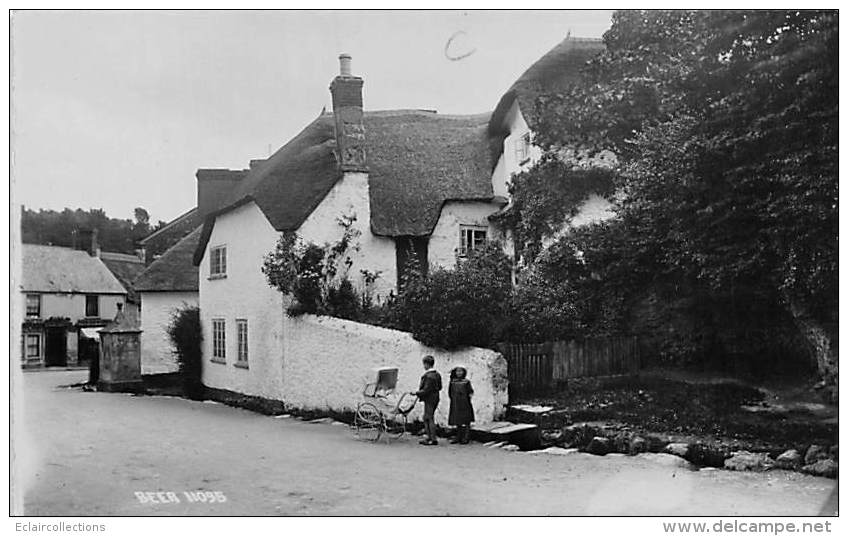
pixel 328 361
pixel 72 306
pixel 349 197
pixel 445 240
pixel 157 352
pixel 243 294
pixel 518 128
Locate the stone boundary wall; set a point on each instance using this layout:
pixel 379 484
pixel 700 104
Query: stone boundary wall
pixel 327 362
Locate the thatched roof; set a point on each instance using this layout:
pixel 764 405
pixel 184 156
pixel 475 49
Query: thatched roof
pixel 417 161
pixel 174 271
pixel 187 220
pixel 551 73
pixel 65 270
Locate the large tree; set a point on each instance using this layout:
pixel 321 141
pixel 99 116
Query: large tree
pixel 726 128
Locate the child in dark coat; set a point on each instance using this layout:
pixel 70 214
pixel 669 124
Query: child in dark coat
pixel 461 412
pixel 428 392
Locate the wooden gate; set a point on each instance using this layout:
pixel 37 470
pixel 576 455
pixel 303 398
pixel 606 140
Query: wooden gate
pixel 536 369
pixel 530 369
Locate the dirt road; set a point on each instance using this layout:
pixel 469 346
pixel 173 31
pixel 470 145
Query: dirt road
pixel 98 453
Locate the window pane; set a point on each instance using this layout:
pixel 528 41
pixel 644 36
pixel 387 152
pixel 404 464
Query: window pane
pixel 92 305
pixel 33 305
pixel 242 340
pixel 218 339
pixel 32 346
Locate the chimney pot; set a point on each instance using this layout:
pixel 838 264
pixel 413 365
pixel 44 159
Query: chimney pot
pixel 344 65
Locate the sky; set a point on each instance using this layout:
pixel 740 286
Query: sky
pixel 118 109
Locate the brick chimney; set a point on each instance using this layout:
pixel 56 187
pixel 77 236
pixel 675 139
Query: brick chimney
pixel 214 187
pixel 346 90
pixel 86 240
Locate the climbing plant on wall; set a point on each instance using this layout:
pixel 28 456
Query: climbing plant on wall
pixel 317 277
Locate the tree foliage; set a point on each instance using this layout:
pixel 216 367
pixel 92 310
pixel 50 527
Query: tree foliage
pixel 725 128
pixel 50 227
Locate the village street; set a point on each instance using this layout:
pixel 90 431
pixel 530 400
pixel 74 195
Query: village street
pixel 89 453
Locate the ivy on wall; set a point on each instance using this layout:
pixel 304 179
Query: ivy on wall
pixel 547 195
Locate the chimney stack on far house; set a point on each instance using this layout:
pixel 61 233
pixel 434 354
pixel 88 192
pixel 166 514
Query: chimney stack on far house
pixel 86 240
pixel 94 249
pixel 346 90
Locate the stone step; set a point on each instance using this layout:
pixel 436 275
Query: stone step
pixel 526 436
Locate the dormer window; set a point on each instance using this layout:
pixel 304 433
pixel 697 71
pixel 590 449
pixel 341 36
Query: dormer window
pixel 522 148
pixel 218 262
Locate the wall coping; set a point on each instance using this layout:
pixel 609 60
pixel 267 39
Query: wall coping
pixel 388 334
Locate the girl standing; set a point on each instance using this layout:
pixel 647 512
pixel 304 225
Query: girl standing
pixel 461 412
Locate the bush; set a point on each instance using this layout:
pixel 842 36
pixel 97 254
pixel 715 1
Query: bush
pixel 317 276
pixel 466 306
pixel 186 337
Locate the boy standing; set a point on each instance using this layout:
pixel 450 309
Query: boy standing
pixel 428 392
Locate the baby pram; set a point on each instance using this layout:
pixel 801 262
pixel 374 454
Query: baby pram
pixel 382 411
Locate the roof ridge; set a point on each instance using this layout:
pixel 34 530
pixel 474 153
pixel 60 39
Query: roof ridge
pixel 168 225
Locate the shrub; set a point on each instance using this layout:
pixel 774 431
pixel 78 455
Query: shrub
pixel 461 307
pixel 186 338
pixel 317 276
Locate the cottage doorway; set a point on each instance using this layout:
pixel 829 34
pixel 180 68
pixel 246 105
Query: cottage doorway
pixel 56 347
pixel 410 255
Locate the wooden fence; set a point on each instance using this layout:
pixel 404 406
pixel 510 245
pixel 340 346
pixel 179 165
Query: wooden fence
pixel 537 368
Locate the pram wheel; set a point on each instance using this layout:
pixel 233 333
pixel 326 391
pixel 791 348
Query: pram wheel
pixel 395 426
pixel 368 422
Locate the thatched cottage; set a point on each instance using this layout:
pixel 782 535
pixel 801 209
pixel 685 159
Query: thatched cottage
pixel 415 181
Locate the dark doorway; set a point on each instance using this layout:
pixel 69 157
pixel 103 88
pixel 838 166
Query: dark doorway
pixel 89 349
pixel 411 255
pixel 56 347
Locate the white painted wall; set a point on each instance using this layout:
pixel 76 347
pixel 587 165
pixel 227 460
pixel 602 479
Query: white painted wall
pixel 517 129
pixel 445 239
pixel 327 362
pixel 350 197
pixel 244 293
pixel 73 305
pixel 157 352
pixel 593 209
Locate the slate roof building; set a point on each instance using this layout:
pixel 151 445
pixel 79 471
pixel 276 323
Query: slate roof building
pixel 67 295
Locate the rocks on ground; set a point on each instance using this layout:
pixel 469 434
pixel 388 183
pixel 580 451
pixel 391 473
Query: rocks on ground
pixel 743 460
pixel 598 446
pixel 669 460
pixel 814 454
pixel 790 459
pixel 678 449
pixel 827 468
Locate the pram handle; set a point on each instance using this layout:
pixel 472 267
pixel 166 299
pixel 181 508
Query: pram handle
pixel 405 410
